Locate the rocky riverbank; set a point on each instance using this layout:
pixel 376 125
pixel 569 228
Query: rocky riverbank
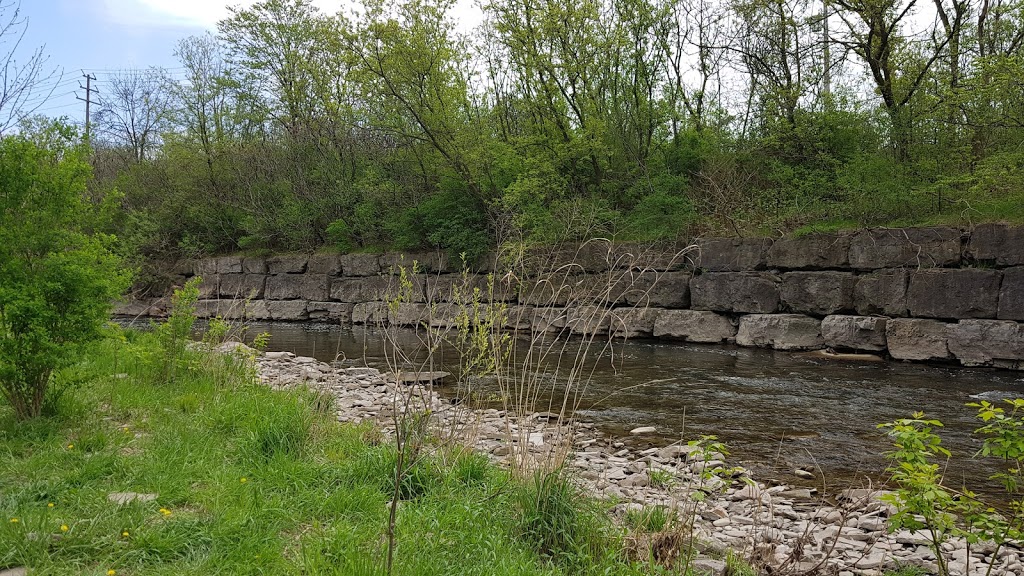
pixel 793 530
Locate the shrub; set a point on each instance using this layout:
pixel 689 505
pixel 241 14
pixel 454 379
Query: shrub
pixel 57 280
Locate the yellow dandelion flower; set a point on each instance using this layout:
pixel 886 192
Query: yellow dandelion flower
pixel 70 446
pixel 125 533
pixel 64 528
pixel 50 505
pixel 165 511
pixel 111 572
pixel 244 480
pixel 14 520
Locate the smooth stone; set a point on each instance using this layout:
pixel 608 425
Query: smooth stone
pixel 129 497
pixel 643 430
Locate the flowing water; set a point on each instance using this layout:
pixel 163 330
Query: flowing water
pixel 775 410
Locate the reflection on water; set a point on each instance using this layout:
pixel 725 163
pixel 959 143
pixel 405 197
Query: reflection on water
pixel 775 410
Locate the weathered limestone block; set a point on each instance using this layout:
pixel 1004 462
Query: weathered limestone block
pixel 185 268
pixel 207 308
pixel 755 292
pixel 1011 294
pixel 732 254
pixel 914 339
pixel 408 314
pixel 559 290
pixel 998 244
pixel 257 310
pixel 206 267
pixel 659 258
pixel 693 326
pixel 229 265
pixel 956 294
pixel 632 322
pixel 518 317
pixel 228 309
pixel 572 258
pixel 780 331
pixel 297 287
pixel 369 312
pixel 242 286
pixel 366 289
pixel 254 265
pixel 810 252
pixel 987 342
pixel 912 247
pixel 548 319
pixel 882 292
pixel 588 320
pixel 854 332
pixel 287 310
pixel 287 264
pixel 210 286
pixel 817 292
pixel 424 262
pixel 456 287
pixel 360 265
pixel 333 312
pixel 329 264
pixel 650 288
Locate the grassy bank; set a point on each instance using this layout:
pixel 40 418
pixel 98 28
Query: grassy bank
pixel 254 481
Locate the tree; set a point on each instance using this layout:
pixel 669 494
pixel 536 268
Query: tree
pixel 57 278
pixel 19 82
pixel 133 112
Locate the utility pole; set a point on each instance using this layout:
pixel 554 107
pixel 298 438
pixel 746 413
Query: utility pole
pixel 88 102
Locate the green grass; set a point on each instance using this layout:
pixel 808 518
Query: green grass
pixel 255 481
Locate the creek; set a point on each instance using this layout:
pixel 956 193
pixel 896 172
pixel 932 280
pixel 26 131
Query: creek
pixel 775 410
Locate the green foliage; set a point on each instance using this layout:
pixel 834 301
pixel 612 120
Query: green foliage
pixel 557 522
pixel 58 278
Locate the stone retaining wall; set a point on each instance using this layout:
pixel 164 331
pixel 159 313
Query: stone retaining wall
pixel 932 294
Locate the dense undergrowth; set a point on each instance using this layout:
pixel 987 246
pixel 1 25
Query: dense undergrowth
pixel 249 480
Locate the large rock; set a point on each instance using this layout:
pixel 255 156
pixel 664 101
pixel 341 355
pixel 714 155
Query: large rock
pixel 297 287
pixel 854 332
pixel 912 247
pixel 914 339
pixel 632 322
pixel 733 254
pixel 287 264
pixel 988 342
pixel 210 286
pixel 814 251
pixel 329 264
pixel 588 320
pixel 780 331
pixel 659 258
pixel 333 312
pixel 818 293
pixel 360 265
pixel 548 319
pixel 650 288
pixel 882 292
pixel 206 267
pixel 254 265
pixel 463 288
pixel 242 286
pixel 408 314
pixel 257 310
pixel 287 310
pixel 369 313
pixel 229 265
pixel 367 289
pixel 693 326
pixel 755 292
pixel 226 309
pixel 956 294
pixel 998 244
pixel 1011 294
pixel 574 258
pixel 422 262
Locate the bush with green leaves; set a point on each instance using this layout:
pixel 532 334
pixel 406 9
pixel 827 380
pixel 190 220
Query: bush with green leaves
pixel 58 278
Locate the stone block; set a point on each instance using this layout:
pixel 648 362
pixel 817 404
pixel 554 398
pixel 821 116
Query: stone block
pixel 242 286
pixel 559 290
pixel 456 287
pixel 915 339
pixel 999 244
pixel 333 312
pixel 424 262
pixel 572 258
pixel 254 265
pixel 854 332
pixel 814 251
pixel 657 258
pixel 632 322
pixel 369 313
pixel 882 292
pixel 257 310
pixel 329 264
pixel 693 326
pixel 911 247
pixel 1011 294
pixel 818 293
pixel 229 265
pixel 548 319
pixel 140 307
pixel 185 268
pixel 780 331
pixel 297 287
pixel 210 286
pixel 365 289
pixel 227 309
pixel 987 342
pixel 287 310
pixel 287 264
pixel 205 267
pixel 518 317
pixel 650 288
pixel 732 254
pixel 955 294
pixel 360 265
pixel 588 320
pixel 753 292
pixel 408 314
